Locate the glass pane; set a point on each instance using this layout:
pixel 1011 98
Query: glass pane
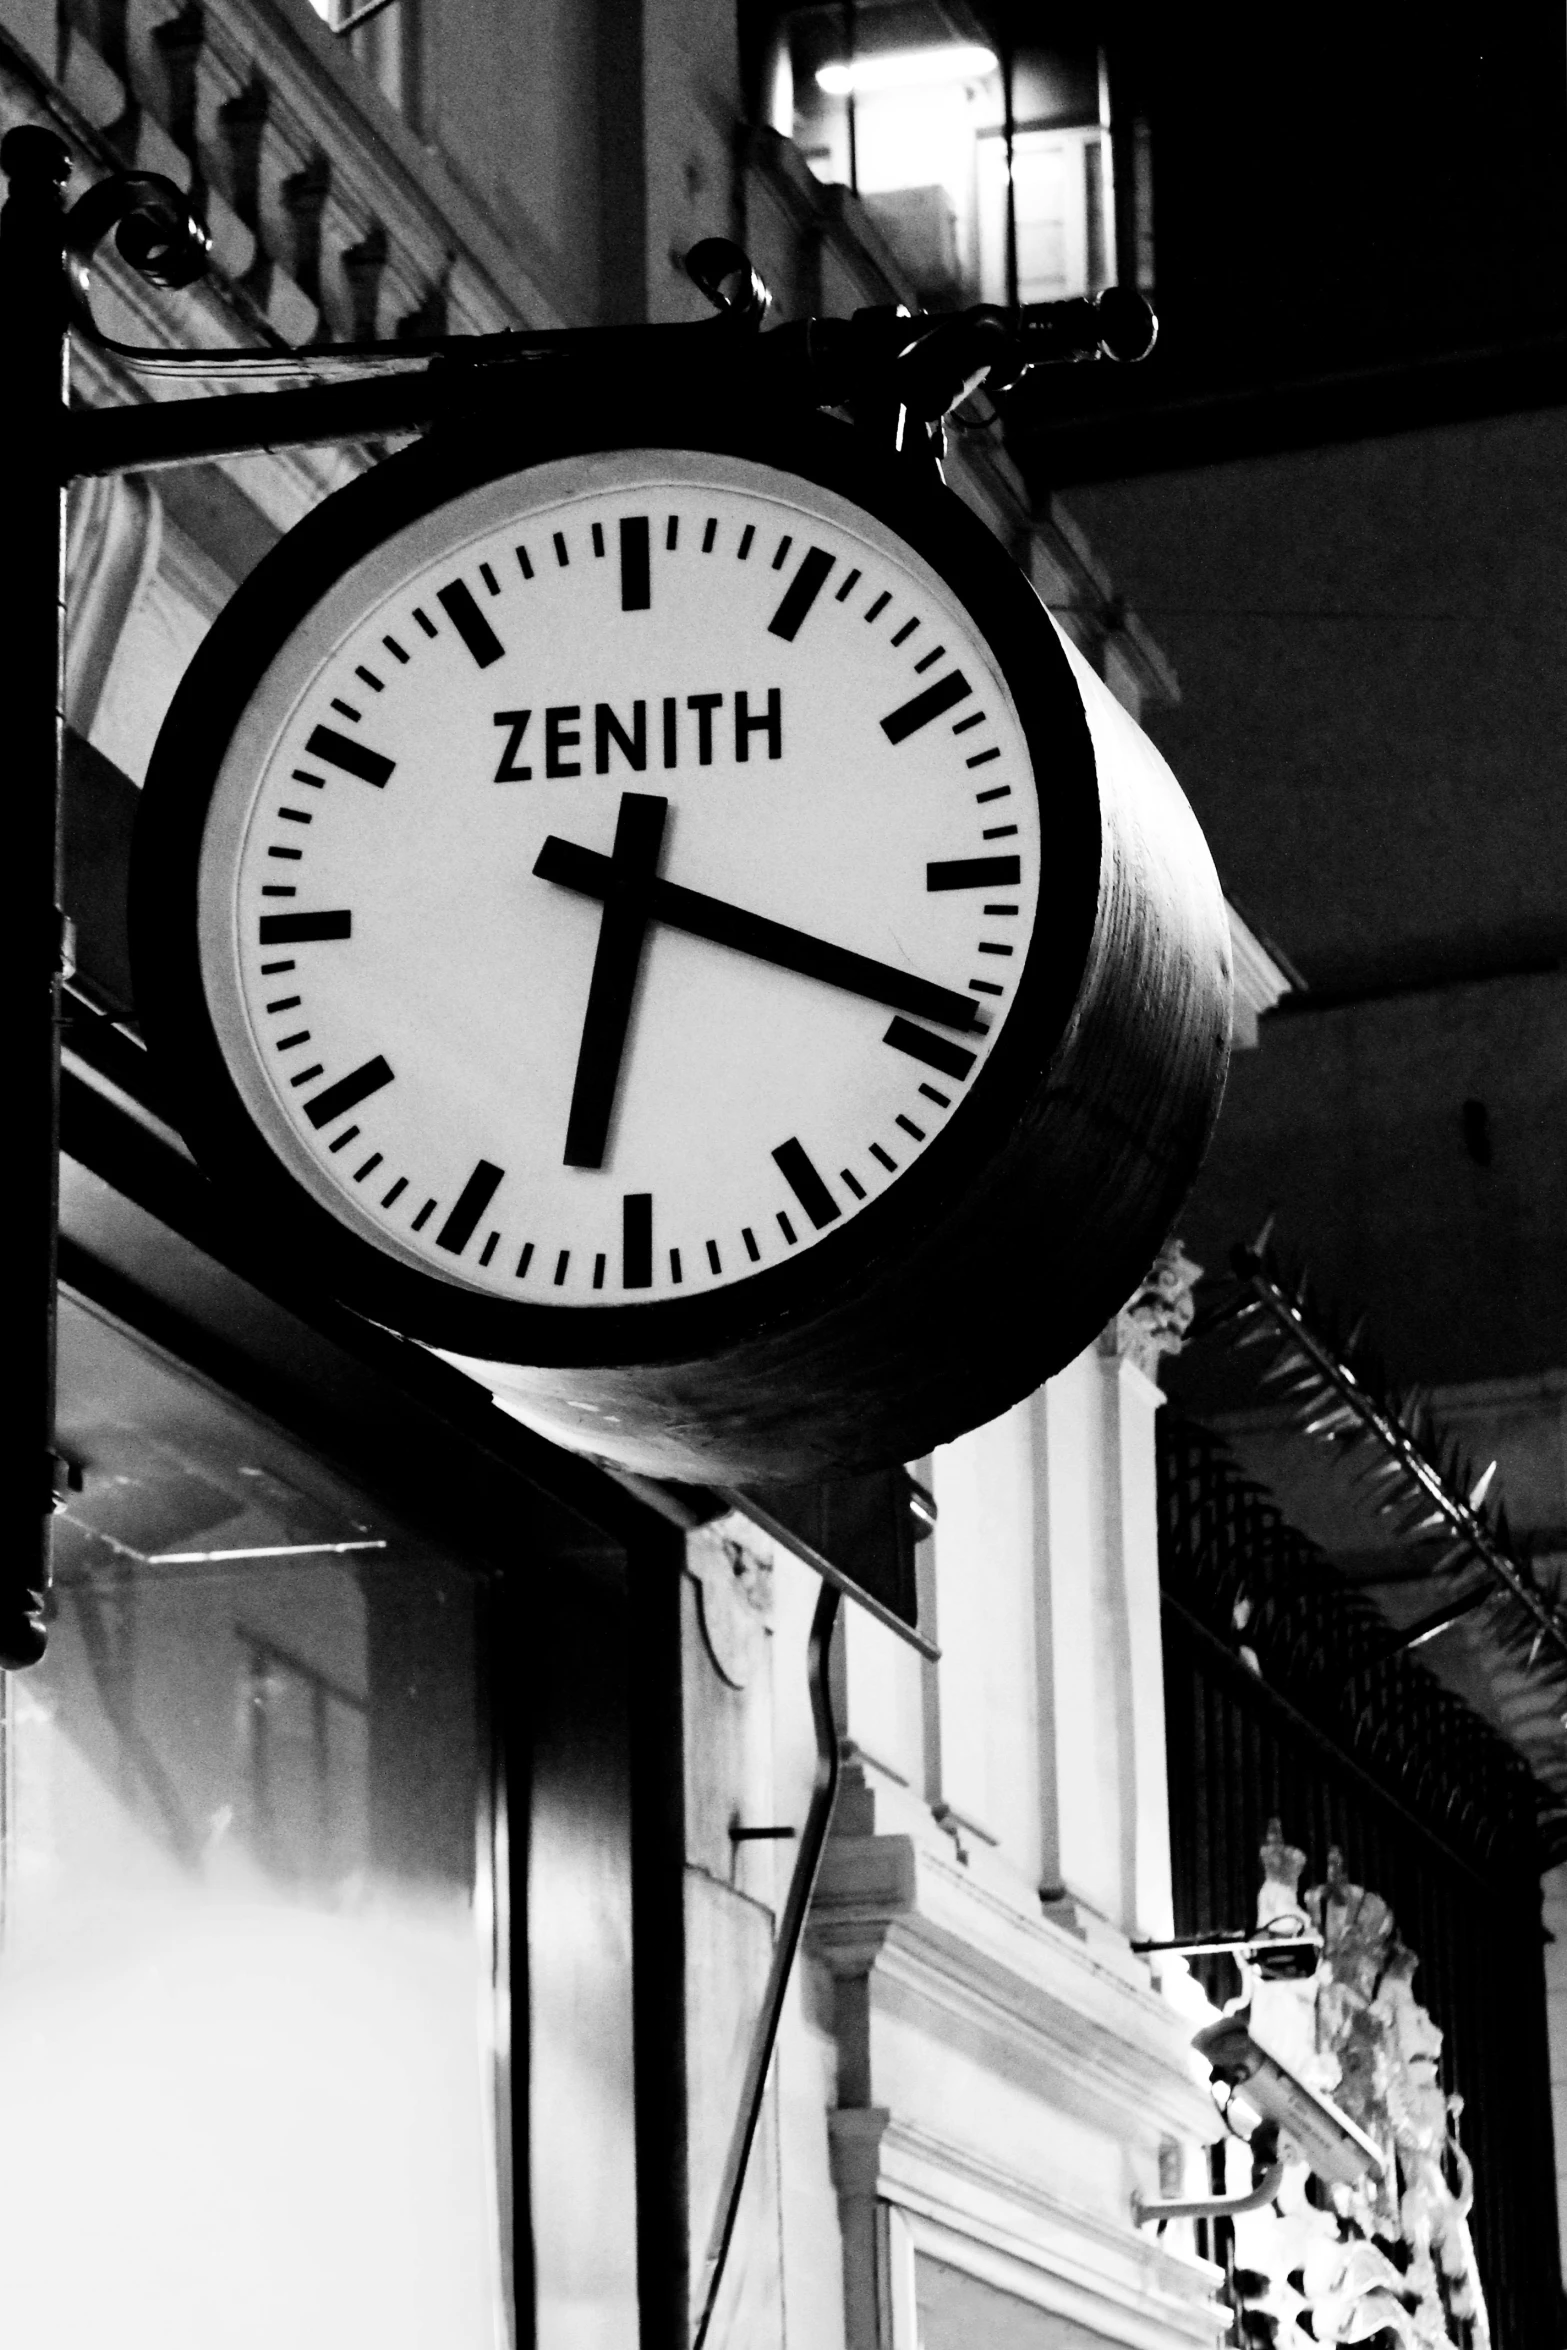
pixel 247 2011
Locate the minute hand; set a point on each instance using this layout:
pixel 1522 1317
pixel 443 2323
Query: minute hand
pixel 592 876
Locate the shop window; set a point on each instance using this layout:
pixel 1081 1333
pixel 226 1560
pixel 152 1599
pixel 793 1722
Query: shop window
pixel 891 103
pixel 249 2021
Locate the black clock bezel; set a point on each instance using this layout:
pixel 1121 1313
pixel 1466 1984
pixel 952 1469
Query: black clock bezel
pixel 270 605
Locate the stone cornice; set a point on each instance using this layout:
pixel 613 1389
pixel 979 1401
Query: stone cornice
pixel 1040 2003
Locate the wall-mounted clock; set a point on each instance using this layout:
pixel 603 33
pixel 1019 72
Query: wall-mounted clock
pixel 675 925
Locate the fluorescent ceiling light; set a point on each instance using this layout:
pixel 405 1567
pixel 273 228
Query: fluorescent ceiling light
pixel 907 69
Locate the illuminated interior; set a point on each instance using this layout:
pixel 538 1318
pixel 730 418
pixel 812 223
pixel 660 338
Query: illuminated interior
pixel 905 104
pixel 248 2027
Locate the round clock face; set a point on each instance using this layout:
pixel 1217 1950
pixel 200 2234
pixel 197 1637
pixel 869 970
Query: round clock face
pixel 617 884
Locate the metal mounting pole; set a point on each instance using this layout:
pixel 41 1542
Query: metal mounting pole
pixel 791 1926
pixel 33 299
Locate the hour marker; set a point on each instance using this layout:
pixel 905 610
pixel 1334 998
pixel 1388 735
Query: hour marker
pixel 598 1262
pixel 999 832
pixel 489 1248
pixel 561 1262
pixel 746 536
pixel 997 791
pixel 296 815
pixel 424 1215
pixel 712 1257
pixel 348 1092
pixel 493 584
pixel 751 1249
pixel 787 1229
pixel 396 1192
pixel 285 1003
pixel 480 638
pixel 982 758
pixel 880 1155
pixel 370 678
pixel 782 556
pixel 943 1101
pixel 909 1127
pixel 975 718
pixel 636 590
pixel 474 1197
pixel 598 538
pixel 874 611
pixel 851 1183
pixel 901 636
pixel 929 661
pixel 675 1273
pixel 346 709
pixel 287 930
pixel 342 1141
pixel 801 593
pixel 909 717
pixel 848 588
pixel 293 855
pixel 937 1052
pixel 524 1261
pixel 562 558
pixel 425 622
pixel 709 534
pixel 286 1043
pixel 672 533
pixel 354 758
pixel 803 1180
pixel 369 1167
pixel 986 987
pixel 316 782
pixel 395 649
pixel 636 1240
pixel 525 562
pixel 305 1075
pixel 973 873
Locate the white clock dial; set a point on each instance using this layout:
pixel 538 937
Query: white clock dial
pixel 619 880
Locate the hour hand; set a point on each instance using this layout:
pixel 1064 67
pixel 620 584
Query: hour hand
pixel 592 875
pixel 630 868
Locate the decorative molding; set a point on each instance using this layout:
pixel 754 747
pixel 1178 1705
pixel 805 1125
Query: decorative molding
pixel 734 1582
pixel 1036 2005
pixel 981 2215
pixel 1262 980
pixel 1157 1316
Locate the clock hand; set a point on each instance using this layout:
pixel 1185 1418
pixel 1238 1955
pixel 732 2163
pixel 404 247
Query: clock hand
pixel 594 876
pixel 628 874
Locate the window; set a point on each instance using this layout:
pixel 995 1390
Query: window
pixel 913 121
pixel 249 2025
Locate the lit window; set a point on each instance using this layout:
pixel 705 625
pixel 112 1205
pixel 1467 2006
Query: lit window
pixel 917 128
pixel 248 2095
